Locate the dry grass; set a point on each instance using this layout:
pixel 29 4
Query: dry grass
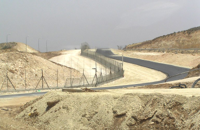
pixel 182 40
pixel 48 55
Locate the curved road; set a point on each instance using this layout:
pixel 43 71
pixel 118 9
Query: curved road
pixel 169 70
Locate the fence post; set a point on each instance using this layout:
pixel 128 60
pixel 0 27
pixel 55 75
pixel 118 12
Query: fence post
pixel 7 79
pixel 25 79
pixel 57 78
pixel 42 79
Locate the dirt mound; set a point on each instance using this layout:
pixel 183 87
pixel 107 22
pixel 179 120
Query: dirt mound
pixel 106 110
pixel 183 40
pixel 16 46
pixel 25 69
pixel 48 55
pixel 194 71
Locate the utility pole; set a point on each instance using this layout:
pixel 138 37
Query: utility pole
pixel 26 43
pixel 7 38
pixel 46 46
pixel 122 60
pixel 38 44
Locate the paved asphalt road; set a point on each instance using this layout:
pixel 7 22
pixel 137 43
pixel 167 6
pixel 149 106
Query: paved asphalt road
pixel 169 70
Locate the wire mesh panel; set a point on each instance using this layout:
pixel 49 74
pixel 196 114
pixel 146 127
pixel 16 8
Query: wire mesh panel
pixel 51 77
pixel 32 78
pixel 22 73
pixel 114 68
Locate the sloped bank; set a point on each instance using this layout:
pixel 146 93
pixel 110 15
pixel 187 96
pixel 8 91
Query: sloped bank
pixel 109 110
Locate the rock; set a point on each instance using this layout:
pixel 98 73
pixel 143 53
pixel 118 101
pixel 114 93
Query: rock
pixel 5 109
pixel 131 122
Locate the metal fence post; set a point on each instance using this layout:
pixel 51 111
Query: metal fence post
pixel 7 79
pixel 42 79
pixel 57 78
pixel 25 79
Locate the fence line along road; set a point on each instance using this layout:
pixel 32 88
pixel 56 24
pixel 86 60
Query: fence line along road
pixel 115 68
pixel 173 50
pixel 32 79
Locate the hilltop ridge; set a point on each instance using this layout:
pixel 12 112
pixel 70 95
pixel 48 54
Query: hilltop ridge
pixel 16 46
pixel 181 40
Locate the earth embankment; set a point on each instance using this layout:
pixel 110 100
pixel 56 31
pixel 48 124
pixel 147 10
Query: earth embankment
pixel 112 110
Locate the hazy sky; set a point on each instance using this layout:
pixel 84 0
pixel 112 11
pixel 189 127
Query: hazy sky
pixel 65 24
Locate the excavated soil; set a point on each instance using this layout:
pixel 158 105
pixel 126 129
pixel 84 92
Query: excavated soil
pixel 195 71
pixel 112 110
pixel 25 69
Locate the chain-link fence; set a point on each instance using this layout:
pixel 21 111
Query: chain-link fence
pixel 37 80
pixel 25 72
pixel 113 68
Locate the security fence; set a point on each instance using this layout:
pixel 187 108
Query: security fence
pixel 37 80
pixel 115 68
pixel 21 73
pixel 168 50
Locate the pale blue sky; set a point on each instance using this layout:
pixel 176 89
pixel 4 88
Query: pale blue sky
pixel 65 24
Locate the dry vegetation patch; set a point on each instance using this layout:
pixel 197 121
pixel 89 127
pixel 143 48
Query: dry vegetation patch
pixel 182 40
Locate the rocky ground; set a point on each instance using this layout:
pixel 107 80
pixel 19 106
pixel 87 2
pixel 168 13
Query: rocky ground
pixel 142 108
pixel 22 67
pixel 111 110
pixel 181 40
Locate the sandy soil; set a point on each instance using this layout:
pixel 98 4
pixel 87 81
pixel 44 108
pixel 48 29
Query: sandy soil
pixel 120 109
pixel 19 65
pixel 183 60
pixel 19 101
pixel 9 107
pixel 133 73
pixel 116 109
pixel 73 59
pixel 181 40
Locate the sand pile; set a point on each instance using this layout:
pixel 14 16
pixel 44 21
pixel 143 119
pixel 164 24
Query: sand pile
pixel 194 71
pixel 20 66
pixel 16 46
pixel 110 110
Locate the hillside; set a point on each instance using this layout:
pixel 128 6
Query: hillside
pixel 183 40
pixel 18 65
pixel 111 110
pixel 16 46
pixel 24 65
